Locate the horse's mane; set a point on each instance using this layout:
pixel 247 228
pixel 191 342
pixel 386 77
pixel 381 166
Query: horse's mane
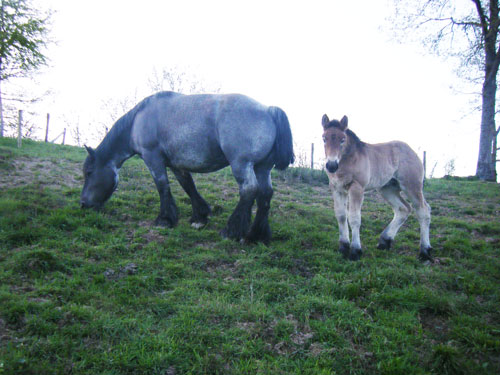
pixel 357 142
pixel 119 135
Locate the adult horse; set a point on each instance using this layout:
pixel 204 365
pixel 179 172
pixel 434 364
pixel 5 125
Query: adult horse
pixel 354 167
pixel 197 133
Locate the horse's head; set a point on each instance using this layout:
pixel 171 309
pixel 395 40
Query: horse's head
pixel 101 180
pixel 335 139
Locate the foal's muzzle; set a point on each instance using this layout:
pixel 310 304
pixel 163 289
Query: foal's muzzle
pixel 332 166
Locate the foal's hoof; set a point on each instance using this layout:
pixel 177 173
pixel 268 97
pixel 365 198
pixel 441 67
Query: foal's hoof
pixel 425 254
pixel 384 243
pixel 355 254
pixel 344 249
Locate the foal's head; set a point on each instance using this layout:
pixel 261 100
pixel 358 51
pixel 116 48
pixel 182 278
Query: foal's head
pixel 100 181
pixel 335 139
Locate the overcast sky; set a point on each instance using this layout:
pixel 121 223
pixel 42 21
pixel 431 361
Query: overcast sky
pixel 309 58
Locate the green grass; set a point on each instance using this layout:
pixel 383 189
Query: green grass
pixel 108 293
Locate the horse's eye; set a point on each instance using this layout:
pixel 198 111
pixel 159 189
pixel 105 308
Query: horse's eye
pixel 342 141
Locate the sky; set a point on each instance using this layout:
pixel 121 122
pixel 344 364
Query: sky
pixel 309 58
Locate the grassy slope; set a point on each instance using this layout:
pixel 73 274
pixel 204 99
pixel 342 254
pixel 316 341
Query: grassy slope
pixel 90 293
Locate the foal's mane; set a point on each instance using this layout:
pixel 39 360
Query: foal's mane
pixel 356 141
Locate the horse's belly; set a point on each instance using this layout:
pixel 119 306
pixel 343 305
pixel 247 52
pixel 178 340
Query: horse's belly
pixel 195 160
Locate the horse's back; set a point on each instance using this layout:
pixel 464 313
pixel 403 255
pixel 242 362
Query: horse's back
pixel 394 159
pixel 204 132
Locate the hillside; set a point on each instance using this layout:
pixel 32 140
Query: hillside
pixel 107 293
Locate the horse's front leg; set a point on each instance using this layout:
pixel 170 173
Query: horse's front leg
pixel 169 214
pixel 356 194
pixel 340 206
pixel 201 209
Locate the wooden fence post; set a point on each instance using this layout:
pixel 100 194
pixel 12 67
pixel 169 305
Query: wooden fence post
pixel 19 129
pixel 425 165
pixel 64 135
pixel 312 155
pixel 47 128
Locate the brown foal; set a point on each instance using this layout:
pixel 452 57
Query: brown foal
pixel 354 167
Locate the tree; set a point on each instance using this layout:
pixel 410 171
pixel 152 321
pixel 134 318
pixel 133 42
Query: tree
pixel 176 79
pixel 465 31
pixel 23 36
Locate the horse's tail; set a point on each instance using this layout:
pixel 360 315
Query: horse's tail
pixel 283 144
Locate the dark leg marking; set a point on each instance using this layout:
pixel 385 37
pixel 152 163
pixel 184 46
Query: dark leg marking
pixel 260 230
pixel 345 249
pixel 384 243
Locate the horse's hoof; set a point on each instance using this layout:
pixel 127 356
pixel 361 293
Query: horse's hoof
pixel 355 254
pixel 198 225
pixel 163 222
pixel 224 233
pixel 344 249
pixel 384 243
pixel 425 254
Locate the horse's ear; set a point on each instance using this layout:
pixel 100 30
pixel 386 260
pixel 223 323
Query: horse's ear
pixel 325 121
pixel 90 150
pixel 343 123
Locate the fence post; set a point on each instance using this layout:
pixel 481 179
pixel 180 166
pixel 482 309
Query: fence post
pixel 47 128
pixel 19 129
pixel 425 165
pixel 312 155
pixel 64 135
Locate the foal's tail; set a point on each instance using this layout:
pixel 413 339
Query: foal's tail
pixel 283 144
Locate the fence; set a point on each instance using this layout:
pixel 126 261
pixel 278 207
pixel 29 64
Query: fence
pixel 20 133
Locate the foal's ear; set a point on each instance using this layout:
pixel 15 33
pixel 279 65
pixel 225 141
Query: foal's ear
pixel 325 121
pixel 90 150
pixel 343 123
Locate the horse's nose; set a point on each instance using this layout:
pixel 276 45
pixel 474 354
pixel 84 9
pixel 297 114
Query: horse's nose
pixel 84 204
pixel 332 166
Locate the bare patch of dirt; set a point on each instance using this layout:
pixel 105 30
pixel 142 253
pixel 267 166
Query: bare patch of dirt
pixel 434 324
pixel 45 172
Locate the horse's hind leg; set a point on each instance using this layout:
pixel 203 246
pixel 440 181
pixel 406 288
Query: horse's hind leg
pixel 260 230
pixel 201 209
pixel 169 215
pixel 391 193
pixel 239 221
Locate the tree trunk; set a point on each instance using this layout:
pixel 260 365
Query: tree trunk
pixel 485 165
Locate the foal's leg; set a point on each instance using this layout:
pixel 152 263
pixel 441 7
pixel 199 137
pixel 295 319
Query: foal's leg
pixel 260 230
pixel 340 206
pixel 201 209
pixel 168 210
pixel 239 221
pixel 423 212
pixel 356 193
pixel 401 208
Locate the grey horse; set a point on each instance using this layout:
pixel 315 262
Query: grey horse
pixel 197 133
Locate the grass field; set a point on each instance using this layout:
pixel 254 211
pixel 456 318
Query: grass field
pixel 83 292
